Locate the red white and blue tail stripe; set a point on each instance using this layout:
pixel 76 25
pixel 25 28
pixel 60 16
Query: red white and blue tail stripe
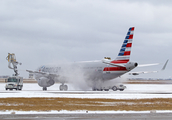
pixel 125 51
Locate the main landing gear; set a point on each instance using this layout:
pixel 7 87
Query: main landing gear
pixel 100 89
pixel 63 87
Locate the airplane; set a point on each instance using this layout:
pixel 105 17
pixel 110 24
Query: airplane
pixel 94 71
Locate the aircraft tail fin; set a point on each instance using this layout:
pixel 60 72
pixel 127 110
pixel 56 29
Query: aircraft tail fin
pixel 125 51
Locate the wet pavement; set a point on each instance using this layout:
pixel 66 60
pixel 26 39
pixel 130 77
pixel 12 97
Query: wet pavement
pixel 126 116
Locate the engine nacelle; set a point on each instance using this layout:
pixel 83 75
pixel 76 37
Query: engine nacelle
pixel 45 82
pixel 133 73
pixel 131 65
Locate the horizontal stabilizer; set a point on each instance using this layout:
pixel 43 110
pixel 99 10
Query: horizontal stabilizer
pixel 145 65
pixel 113 64
pixel 145 72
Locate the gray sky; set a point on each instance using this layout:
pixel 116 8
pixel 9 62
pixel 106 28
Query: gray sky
pixel 48 31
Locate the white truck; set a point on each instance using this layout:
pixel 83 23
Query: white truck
pixel 14 82
pixel 116 87
pixel 107 87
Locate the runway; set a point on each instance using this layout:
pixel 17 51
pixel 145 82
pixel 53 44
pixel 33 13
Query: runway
pixel 128 116
pixel 133 92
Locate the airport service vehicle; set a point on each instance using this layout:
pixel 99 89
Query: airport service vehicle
pixel 119 87
pixel 14 82
pixel 116 87
pixel 96 73
pixel 12 63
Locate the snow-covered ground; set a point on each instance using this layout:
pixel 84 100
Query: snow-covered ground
pixel 81 112
pixel 133 91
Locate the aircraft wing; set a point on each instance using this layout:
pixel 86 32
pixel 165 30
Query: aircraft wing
pixel 144 65
pixel 30 71
pixel 141 72
pixel 42 73
pixel 145 72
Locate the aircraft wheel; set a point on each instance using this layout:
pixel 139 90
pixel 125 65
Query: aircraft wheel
pixel 106 89
pixel 20 88
pixel 99 89
pixel 17 88
pixel 94 89
pixel 65 87
pixel 61 87
pixel 44 88
pixel 114 88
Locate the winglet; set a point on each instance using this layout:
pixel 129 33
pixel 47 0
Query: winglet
pixel 165 65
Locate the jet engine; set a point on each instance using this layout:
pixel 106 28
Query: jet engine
pixel 45 82
pixel 131 65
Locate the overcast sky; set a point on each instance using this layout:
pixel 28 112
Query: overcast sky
pixel 40 32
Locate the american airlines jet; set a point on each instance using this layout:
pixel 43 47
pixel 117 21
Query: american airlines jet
pixel 95 71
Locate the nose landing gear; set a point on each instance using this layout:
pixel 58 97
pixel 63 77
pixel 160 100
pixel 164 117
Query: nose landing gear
pixel 44 89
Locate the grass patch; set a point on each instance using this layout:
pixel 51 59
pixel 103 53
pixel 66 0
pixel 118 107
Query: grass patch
pixel 71 104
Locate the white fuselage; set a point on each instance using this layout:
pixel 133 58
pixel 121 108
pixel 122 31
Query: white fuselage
pixel 90 70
